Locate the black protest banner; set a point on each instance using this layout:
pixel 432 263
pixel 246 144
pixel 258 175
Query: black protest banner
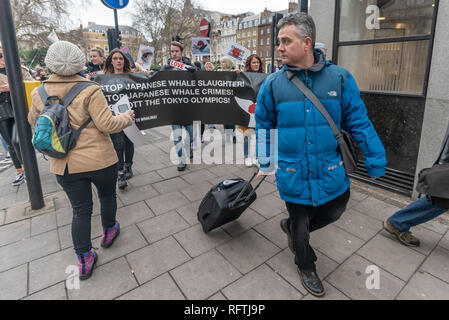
pixel 183 97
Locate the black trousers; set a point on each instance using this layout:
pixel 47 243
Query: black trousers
pixel 305 219
pixel 6 130
pixel 124 149
pixel 78 188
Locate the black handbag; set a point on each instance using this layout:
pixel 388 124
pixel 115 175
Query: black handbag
pixel 346 143
pixel 434 181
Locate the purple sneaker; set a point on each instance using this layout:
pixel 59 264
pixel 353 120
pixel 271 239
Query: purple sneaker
pixel 86 262
pixel 109 235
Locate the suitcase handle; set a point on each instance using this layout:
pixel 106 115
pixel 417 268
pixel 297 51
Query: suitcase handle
pixel 246 186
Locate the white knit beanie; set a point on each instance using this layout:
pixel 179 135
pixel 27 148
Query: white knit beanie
pixel 65 58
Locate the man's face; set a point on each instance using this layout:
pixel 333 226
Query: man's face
pixel 293 50
pixel 176 53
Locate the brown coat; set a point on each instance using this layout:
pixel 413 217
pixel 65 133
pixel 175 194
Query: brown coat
pixel 94 149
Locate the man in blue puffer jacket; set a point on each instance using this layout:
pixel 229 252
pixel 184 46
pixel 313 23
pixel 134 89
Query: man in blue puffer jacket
pixel 309 170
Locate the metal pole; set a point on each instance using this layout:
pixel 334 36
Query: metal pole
pixel 15 80
pixel 116 27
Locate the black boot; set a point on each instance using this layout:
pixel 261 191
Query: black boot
pixel 121 181
pixel 128 171
pixel 311 282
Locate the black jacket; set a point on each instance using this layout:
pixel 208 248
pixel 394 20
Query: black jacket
pixel 6 111
pixel 185 60
pixel 90 67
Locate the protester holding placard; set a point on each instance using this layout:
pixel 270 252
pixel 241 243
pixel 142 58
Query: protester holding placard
pixel 252 64
pixel 178 62
pixel 118 63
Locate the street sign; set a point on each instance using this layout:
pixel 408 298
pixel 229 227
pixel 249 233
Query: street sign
pixel 204 28
pixel 115 4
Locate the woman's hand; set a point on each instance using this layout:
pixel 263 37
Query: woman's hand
pixel 237 71
pixel 131 114
pixel 4 88
pixel 149 72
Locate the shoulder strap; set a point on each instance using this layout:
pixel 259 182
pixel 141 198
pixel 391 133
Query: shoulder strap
pixel 76 90
pixel 313 98
pixel 42 93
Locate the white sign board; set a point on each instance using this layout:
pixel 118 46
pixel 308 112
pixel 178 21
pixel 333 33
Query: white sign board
pixel 132 132
pixel 236 52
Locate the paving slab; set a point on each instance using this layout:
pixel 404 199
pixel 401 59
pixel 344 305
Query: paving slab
pixel 116 274
pixel 261 284
pixel 56 292
pixel 144 179
pixel 198 176
pixel 428 239
pixel 351 277
pixel 359 224
pixel 424 286
pixel 203 276
pixel 43 223
pixel 13 283
pixel 64 216
pixel 170 185
pixel 49 270
pixel 15 232
pixel 130 215
pixel 223 170
pixel 268 206
pixel 435 226
pixel 335 243
pixel 197 191
pixel 437 264
pixel 190 212
pixel 18 253
pixel 248 251
pixel 375 208
pixel 161 288
pixel 246 221
pixel 2 217
pixel 133 195
pixel 444 242
pixel 284 264
pixel 392 256
pixel 271 229
pixel 156 259
pixel 196 242
pixel 172 172
pixel 129 240
pixel 167 202
pixel 162 226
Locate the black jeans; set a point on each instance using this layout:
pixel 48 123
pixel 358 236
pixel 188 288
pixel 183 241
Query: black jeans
pixel 6 130
pixel 305 219
pixel 124 149
pixel 78 187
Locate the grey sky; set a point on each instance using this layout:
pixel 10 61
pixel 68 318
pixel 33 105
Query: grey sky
pixel 97 12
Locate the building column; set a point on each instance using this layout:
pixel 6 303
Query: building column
pixel 323 13
pixel 436 112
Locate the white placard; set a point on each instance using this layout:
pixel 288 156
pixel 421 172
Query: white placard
pixel 236 52
pixel 200 46
pixel 145 56
pixel 132 132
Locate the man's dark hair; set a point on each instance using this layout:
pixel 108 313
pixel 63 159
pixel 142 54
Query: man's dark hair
pixel 304 25
pixel 177 44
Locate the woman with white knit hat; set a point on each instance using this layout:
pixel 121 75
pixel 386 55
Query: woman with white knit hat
pixel 93 159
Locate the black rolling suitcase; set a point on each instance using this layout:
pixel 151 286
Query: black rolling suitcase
pixel 226 201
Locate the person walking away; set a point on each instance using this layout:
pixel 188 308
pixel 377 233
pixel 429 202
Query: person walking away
pixel 118 63
pixel 310 174
pixel 93 159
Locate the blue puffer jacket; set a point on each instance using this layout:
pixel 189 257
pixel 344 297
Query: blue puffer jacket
pixel 309 167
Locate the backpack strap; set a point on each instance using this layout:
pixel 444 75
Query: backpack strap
pixel 42 93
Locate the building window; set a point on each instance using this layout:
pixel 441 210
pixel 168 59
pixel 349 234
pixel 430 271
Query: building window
pixel 240 26
pixel 255 33
pixel 268 31
pixel 249 34
pixel 397 64
pixel 90 30
pixel 261 53
pixel 238 35
pixel 261 31
pixel 268 53
pixel 261 42
pixel 245 25
pixel 249 43
pixel 268 40
pixel 254 43
pixel 106 48
pixel 254 51
pixel 89 47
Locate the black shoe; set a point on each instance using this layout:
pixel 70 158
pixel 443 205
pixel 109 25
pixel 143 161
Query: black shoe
pixel 181 166
pixel 285 228
pixel 128 171
pixel 311 282
pixel 121 181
